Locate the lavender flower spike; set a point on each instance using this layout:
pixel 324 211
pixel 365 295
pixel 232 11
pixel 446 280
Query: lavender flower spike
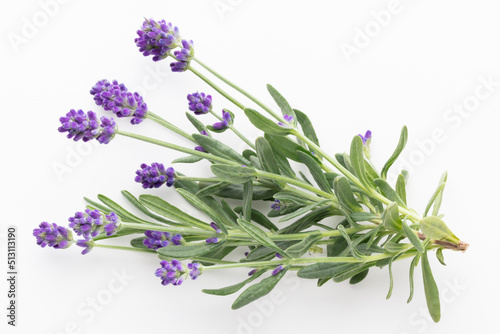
pixel 200 103
pixel 108 130
pixel 277 270
pixel 157 239
pixel 172 272
pixel 52 235
pixel 80 125
pixel 196 269
pixel 87 244
pixel 92 222
pixel 184 57
pixel 226 122
pixel 157 39
pixel 115 97
pixel 214 240
pixel 155 176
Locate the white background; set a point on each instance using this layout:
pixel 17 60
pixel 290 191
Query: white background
pixel 425 59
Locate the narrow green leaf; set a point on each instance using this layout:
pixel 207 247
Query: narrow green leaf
pixel 258 290
pixel 135 202
pixel 401 145
pixel 343 191
pixel 304 177
pixel 212 189
pixel 235 191
pixel 286 146
pixel 281 102
pixel 410 234
pixel 307 126
pixel 265 124
pixel 259 218
pixel 233 173
pixel 393 247
pixel 290 197
pixel 189 250
pixel 266 156
pixel 363 216
pixel 359 277
pixel 259 235
pixel 217 148
pixel 391 280
pixel 138 243
pixel 434 228
pixel 338 246
pixel 352 271
pixel 187 160
pixel 196 122
pixel 413 264
pixel 229 212
pixel 98 206
pixel 388 192
pixel 120 211
pixel 247 200
pixel 401 188
pixel 283 164
pixel 391 218
pixel 309 220
pixel 302 247
pixel 228 290
pixel 357 158
pixel 167 210
pixel 324 270
pixel 352 247
pixel 439 197
pixel 440 256
pixel 438 190
pixel 302 210
pixel 431 290
pixel 316 171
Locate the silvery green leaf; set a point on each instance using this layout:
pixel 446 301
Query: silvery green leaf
pixel 304 177
pixel 324 270
pixel 413 264
pixel 95 205
pixel 440 256
pixel 258 290
pixel 289 208
pixel 187 160
pixel 309 220
pixel 357 158
pixel 266 156
pixel 391 218
pixel 235 191
pixel 189 250
pixel 307 127
pixel 229 212
pixel 228 290
pixel 167 210
pixel 391 280
pixel 196 122
pixel 431 290
pixel 259 236
pixel 399 148
pixel 219 149
pixel 393 247
pixel 233 173
pixel 285 146
pixel 363 216
pixel 401 188
pixel 212 189
pixel 247 200
pixel 388 192
pixel 439 189
pixel 135 202
pixel 302 210
pixel 199 204
pixel 351 271
pixel 352 246
pixel 262 253
pixel 281 102
pixel 410 234
pixel 439 197
pixel 259 218
pixel 265 124
pixel 138 243
pixel 359 277
pixel 120 211
pixel 316 171
pixel 283 164
pixel 303 246
pixel 290 197
pixel 344 193
pixel 435 229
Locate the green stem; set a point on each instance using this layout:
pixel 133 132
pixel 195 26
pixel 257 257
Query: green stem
pixel 199 179
pixel 141 250
pixel 217 88
pixel 173 229
pixel 240 90
pixel 163 122
pixel 207 156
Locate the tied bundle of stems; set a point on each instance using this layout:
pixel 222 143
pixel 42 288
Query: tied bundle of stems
pixel 377 226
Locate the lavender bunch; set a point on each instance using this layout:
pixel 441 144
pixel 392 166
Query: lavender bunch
pixel 335 224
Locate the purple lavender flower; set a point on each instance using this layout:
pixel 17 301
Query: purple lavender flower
pixel 92 222
pixel 279 256
pixel 172 272
pixel 200 103
pixel 157 239
pixel 108 130
pixel 277 270
pixel 155 176
pixel 366 137
pixel 196 269
pixel 115 97
pixel 87 244
pixel 179 66
pixel 157 39
pixel 288 119
pixel 214 240
pixel 225 123
pixel 184 57
pixel 52 235
pixel 277 205
pixel 251 272
pixel 80 125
